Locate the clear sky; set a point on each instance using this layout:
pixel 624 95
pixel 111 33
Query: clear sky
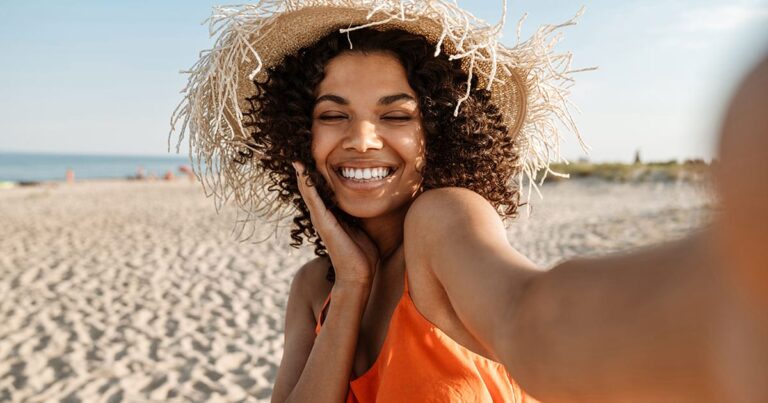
pixel 103 77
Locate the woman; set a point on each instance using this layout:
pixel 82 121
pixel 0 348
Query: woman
pixel 382 130
pixel 405 166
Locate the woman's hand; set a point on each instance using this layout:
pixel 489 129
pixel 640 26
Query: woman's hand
pixel 353 255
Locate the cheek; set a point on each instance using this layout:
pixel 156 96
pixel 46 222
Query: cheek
pixel 413 149
pixel 321 149
pixel 318 146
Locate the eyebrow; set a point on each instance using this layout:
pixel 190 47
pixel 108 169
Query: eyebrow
pixel 385 100
pixel 389 99
pixel 332 98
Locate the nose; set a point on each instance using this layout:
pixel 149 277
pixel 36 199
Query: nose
pixel 361 136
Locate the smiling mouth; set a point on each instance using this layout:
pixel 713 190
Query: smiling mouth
pixel 372 174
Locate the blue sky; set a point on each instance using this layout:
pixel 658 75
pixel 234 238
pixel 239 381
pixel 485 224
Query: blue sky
pixel 103 77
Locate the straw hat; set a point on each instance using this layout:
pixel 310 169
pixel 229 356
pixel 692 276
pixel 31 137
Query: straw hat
pixel 528 81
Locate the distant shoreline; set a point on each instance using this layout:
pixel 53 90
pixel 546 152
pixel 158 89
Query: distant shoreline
pixel 688 171
pixel 666 171
pixel 33 168
pixel 86 181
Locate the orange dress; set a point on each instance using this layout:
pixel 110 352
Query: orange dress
pixel 420 363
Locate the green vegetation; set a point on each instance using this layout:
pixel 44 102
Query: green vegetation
pixel 690 170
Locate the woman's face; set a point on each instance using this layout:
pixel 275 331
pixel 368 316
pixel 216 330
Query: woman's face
pixel 367 135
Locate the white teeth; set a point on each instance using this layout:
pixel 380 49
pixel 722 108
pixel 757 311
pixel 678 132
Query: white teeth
pixel 365 173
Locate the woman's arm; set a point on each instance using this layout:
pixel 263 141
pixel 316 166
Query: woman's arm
pixel 640 327
pixel 685 321
pixel 634 326
pixel 317 369
pixel 740 177
pixel 324 375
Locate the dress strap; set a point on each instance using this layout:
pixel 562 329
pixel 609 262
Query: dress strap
pixel 321 315
pixel 405 281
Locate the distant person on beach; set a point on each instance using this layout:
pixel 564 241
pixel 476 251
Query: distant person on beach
pixel 140 173
pixel 70 175
pixel 399 135
pixel 186 170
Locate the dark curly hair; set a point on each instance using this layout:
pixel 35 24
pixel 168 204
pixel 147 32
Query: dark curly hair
pixel 472 150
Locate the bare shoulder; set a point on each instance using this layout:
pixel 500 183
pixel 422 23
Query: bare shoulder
pixel 443 208
pixel 310 284
pixel 458 201
pixel 450 214
pixel 449 231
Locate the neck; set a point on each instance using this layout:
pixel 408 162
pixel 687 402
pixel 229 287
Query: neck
pixel 386 231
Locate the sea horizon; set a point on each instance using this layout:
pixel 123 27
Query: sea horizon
pixel 29 166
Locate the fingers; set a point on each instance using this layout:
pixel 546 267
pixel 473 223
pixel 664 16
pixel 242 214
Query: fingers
pixel 308 193
pixel 344 244
pixel 322 219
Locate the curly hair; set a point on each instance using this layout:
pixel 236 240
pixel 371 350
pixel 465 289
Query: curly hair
pixel 472 150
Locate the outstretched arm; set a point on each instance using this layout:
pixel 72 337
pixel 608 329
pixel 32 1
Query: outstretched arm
pixel 680 322
pixel 742 181
pixel 587 330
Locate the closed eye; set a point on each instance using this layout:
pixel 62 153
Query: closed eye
pixel 331 118
pixel 397 118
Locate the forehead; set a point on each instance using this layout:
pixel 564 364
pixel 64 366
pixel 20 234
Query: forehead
pixel 369 72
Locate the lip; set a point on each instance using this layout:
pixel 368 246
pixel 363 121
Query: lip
pixel 364 164
pixel 357 185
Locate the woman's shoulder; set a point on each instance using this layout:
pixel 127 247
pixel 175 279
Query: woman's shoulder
pixel 438 217
pixel 456 201
pixel 450 227
pixel 311 284
pixel 444 209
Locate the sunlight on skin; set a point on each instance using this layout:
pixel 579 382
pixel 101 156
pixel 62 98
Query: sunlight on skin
pixel 367 115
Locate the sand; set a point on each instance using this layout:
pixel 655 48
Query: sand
pixel 136 292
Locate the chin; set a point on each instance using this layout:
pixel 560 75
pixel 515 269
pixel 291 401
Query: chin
pixel 362 210
pixel 372 208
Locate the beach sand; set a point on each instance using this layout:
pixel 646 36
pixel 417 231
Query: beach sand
pixel 135 291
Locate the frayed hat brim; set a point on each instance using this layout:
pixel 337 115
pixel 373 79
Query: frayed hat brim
pixel 529 82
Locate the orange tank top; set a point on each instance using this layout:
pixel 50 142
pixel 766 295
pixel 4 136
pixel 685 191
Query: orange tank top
pixel 420 363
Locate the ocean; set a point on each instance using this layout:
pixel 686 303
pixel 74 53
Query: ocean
pixel 38 167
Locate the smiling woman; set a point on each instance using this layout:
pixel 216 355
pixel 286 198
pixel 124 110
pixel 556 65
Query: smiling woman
pixel 399 133
pixel 386 102
pixel 380 128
